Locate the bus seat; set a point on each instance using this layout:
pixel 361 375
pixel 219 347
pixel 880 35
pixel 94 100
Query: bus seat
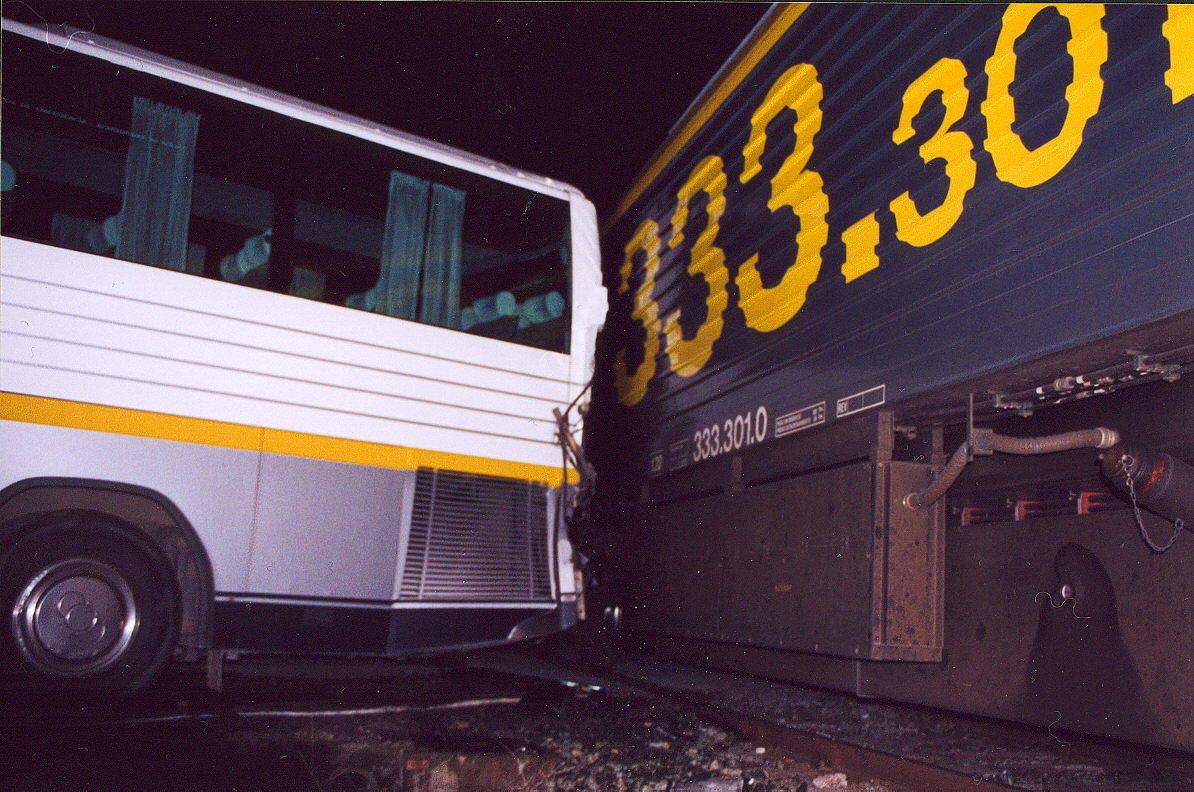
pixel 540 308
pixel 495 306
pixel 544 335
pixel 76 233
pixel 502 328
pixel 252 255
pixel 308 283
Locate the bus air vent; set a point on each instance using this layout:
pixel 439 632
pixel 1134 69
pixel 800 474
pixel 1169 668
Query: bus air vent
pixel 477 538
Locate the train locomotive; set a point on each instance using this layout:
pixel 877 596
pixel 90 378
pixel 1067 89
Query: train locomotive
pixel 894 395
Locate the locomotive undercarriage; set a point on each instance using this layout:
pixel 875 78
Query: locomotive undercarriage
pixel 1028 592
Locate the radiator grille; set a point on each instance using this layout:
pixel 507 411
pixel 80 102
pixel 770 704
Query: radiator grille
pixel 477 538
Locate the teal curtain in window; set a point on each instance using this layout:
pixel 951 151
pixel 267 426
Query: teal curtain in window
pixel 421 254
pixel 158 174
pixel 396 292
pixel 440 303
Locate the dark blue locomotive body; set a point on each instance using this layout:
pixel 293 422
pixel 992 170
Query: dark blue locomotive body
pixel 879 227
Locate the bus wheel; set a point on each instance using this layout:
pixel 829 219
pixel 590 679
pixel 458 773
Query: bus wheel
pixel 86 607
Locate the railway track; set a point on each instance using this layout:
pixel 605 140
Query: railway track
pixel 511 720
pixel 853 760
pixel 908 747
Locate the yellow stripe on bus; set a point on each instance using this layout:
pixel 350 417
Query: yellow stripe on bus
pixel 161 426
pixel 762 44
pixel 117 420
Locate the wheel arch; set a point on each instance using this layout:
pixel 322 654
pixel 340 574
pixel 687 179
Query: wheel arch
pixel 151 518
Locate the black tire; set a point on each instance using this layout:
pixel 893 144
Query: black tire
pixel 86 605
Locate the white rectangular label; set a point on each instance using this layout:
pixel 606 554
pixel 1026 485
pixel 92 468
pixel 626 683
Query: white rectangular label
pixel 798 420
pixel 677 454
pixel 865 400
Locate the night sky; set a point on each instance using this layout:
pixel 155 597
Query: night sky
pixel 582 92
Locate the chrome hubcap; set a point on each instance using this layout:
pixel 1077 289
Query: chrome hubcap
pixel 74 617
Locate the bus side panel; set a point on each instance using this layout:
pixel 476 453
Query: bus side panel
pixel 213 487
pixel 310 530
pixel 91 329
pixel 327 529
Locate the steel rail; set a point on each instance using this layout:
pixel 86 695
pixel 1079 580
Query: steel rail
pixel 797 743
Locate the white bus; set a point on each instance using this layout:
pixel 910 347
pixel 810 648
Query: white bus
pixel 273 378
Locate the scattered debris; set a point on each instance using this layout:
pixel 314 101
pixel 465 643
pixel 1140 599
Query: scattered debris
pixel 560 739
pixel 710 785
pixel 831 781
pixel 476 731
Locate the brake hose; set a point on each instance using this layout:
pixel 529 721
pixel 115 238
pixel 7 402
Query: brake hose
pixel 985 441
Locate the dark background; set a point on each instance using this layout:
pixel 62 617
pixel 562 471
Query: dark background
pixel 582 92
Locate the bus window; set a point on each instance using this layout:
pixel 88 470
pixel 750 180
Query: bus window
pixel 127 165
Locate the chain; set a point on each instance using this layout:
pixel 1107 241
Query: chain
pixel 1125 463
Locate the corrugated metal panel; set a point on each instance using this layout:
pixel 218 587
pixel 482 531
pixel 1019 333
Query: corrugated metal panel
pixel 1067 250
pixel 477 538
